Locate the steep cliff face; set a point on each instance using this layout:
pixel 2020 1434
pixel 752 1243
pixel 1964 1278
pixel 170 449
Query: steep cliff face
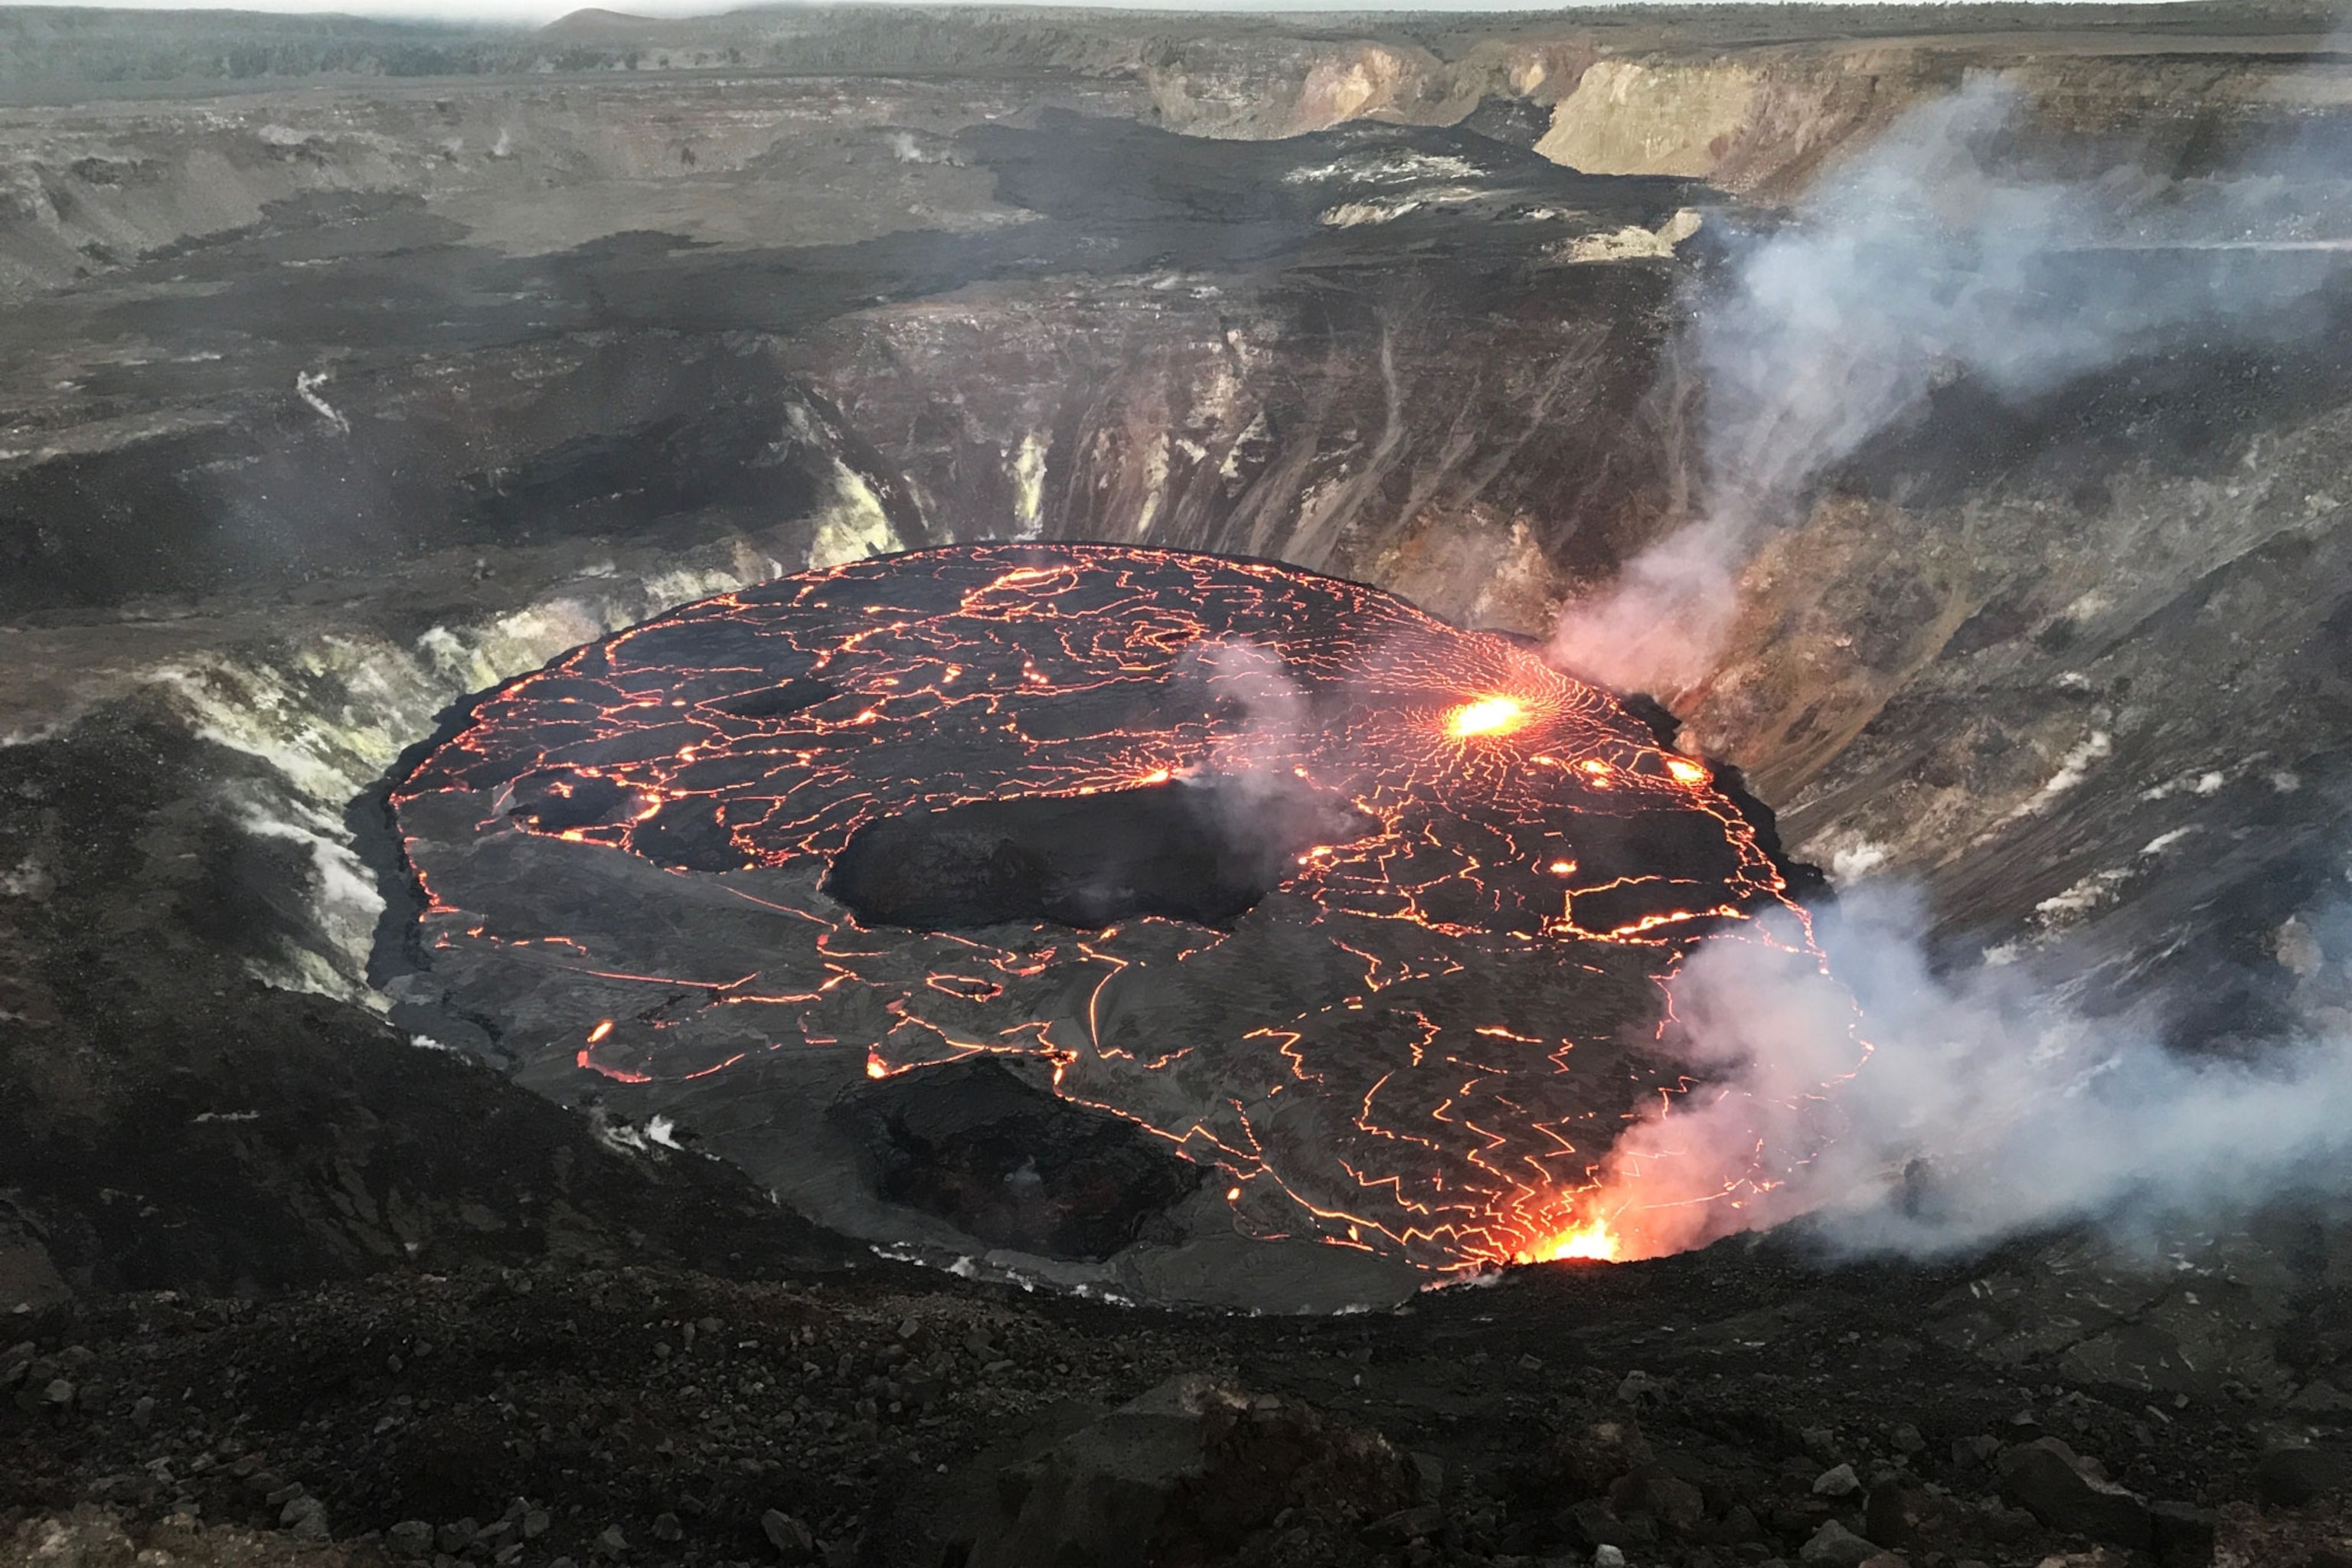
pixel 2096 709
pixel 1376 428
pixel 1767 123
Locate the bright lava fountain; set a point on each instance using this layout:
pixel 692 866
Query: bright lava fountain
pixel 1376 917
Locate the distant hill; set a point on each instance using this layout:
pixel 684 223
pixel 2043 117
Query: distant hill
pixel 593 24
pixel 53 45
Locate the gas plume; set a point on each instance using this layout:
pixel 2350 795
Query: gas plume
pixel 1265 710
pixel 1930 258
pixel 1986 1107
pixel 1248 790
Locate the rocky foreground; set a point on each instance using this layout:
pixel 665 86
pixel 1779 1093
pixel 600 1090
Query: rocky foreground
pixel 1735 1407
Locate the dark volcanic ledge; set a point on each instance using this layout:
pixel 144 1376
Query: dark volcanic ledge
pixel 1204 850
pixel 1013 1163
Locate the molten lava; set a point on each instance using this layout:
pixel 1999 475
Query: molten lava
pixel 1486 716
pixel 1592 1241
pixel 1419 1035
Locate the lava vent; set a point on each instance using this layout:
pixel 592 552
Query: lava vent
pixel 1236 871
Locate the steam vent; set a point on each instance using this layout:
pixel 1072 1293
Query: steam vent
pixel 1070 905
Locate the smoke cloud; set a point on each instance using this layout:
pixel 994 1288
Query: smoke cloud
pixel 1985 1106
pixel 1259 714
pixel 1906 1109
pixel 1259 711
pixel 1930 258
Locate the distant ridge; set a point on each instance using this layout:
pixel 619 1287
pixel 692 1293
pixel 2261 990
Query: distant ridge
pixel 594 24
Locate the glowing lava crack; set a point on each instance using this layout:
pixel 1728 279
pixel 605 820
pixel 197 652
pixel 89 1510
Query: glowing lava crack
pixel 1373 915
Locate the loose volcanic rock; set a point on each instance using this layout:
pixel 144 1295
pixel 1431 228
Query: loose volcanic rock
pixel 789 1536
pixel 1837 1482
pixel 2047 1477
pixel 93 1537
pixel 305 1518
pixel 1904 1514
pixel 2294 1476
pixel 1184 1473
pixel 1653 1494
pixel 2182 1534
pixel 802 1399
pixel 1835 1546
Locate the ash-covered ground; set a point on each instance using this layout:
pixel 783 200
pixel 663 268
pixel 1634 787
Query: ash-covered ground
pixel 350 369
pixel 1736 1406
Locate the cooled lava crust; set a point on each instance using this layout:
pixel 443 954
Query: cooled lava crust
pixel 1367 918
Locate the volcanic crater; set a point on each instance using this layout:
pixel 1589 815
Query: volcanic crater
pixel 1221 868
pixel 1250 955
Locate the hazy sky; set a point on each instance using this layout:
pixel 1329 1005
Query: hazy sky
pixel 422 10
pixel 534 11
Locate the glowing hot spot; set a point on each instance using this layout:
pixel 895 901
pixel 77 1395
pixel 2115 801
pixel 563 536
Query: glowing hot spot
pixel 1486 716
pixel 602 1029
pixel 1590 1240
pixel 1685 770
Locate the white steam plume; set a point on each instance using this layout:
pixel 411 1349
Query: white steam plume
pixel 1255 795
pixel 1267 710
pixel 1923 261
pixel 1986 1108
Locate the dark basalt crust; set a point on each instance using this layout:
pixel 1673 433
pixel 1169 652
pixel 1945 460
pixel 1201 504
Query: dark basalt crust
pixel 1203 851
pixel 1010 1163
